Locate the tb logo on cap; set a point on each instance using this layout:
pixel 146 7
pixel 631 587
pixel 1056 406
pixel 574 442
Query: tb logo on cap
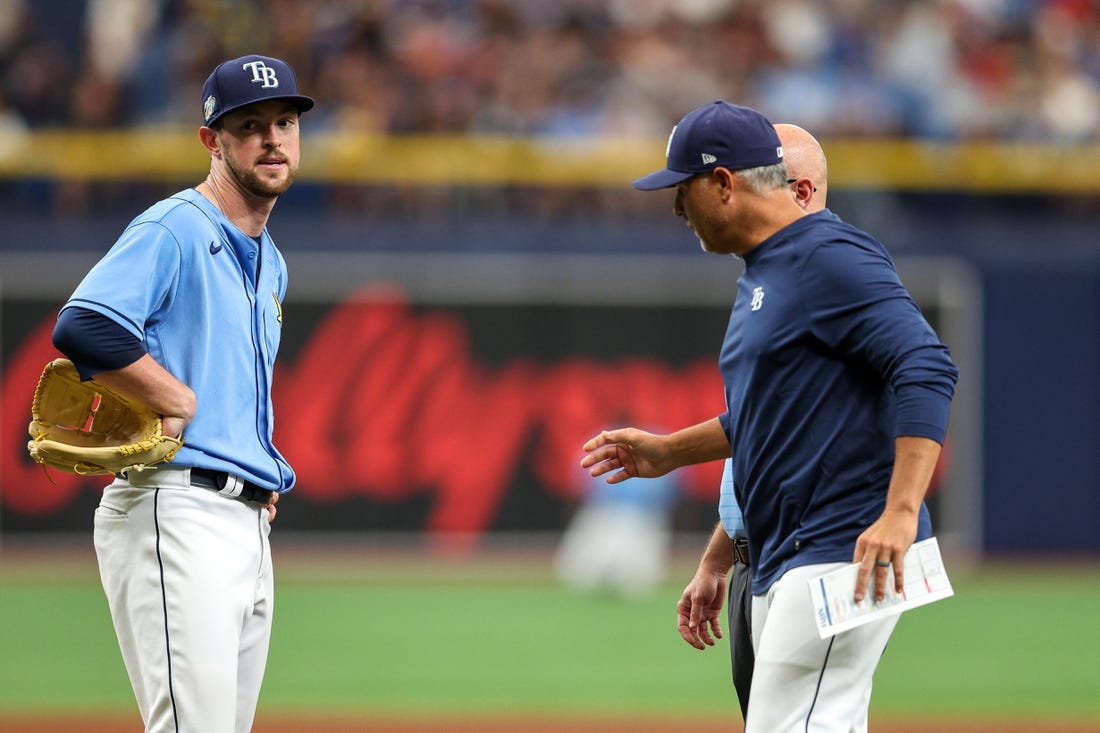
pixel 262 74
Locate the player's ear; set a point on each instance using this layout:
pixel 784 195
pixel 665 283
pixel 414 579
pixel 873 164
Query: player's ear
pixel 724 177
pixel 804 191
pixel 208 136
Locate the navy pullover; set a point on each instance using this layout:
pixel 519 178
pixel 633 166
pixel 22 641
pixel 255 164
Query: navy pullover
pixel 827 359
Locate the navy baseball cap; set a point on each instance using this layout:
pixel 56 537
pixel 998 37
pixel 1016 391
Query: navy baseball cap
pixel 718 134
pixel 246 80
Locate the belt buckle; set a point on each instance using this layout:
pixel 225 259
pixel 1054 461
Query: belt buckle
pixel 232 486
pixel 741 551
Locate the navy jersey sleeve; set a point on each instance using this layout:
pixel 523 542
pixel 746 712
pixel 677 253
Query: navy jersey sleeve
pixel 858 306
pixel 94 343
pixel 724 421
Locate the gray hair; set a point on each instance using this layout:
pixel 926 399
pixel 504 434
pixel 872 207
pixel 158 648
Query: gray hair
pixel 766 177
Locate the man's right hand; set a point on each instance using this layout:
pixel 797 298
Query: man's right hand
pixel 172 426
pixel 628 451
pixel 698 614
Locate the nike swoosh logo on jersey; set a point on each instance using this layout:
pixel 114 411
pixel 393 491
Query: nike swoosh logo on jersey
pixel 214 250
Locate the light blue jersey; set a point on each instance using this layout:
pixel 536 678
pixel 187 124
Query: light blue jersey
pixel 194 288
pixel 729 511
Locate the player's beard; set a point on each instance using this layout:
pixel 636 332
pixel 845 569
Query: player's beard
pixel 256 185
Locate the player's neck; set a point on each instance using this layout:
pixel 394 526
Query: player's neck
pixel 248 212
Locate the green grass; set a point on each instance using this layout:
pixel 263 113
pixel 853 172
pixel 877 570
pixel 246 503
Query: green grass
pixel 1026 642
pixel 57 649
pixel 1022 642
pixel 446 646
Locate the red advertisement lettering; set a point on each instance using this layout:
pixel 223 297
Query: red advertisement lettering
pixel 389 403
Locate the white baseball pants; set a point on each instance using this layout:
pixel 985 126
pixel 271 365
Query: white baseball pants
pixel 803 683
pixel 189 582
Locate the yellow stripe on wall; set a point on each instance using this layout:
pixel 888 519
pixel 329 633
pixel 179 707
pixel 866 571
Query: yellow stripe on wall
pixel 171 155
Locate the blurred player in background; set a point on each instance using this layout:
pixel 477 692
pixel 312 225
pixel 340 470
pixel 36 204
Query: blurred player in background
pixel 837 395
pixel 184 313
pixel 619 539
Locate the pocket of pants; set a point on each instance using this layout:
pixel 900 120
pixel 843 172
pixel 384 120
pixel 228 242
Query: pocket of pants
pixel 116 503
pixel 104 513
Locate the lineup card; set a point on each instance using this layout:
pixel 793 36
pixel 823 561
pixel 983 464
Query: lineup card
pixel 925 581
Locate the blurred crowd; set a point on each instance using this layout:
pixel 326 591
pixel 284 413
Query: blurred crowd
pixel 936 69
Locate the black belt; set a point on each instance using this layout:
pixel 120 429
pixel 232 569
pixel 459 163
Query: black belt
pixel 218 480
pixel 741 550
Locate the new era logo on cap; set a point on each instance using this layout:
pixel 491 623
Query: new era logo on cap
pixel 247 80
pixel 718 134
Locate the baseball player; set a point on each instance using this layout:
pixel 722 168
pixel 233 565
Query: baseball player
pixel 184 314
pixel 837 396
pixel 808 177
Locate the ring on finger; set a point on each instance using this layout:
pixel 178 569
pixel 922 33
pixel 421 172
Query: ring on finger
pixel 881 564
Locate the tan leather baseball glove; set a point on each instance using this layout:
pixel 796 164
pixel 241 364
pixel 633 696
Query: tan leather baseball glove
pixel 85 428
